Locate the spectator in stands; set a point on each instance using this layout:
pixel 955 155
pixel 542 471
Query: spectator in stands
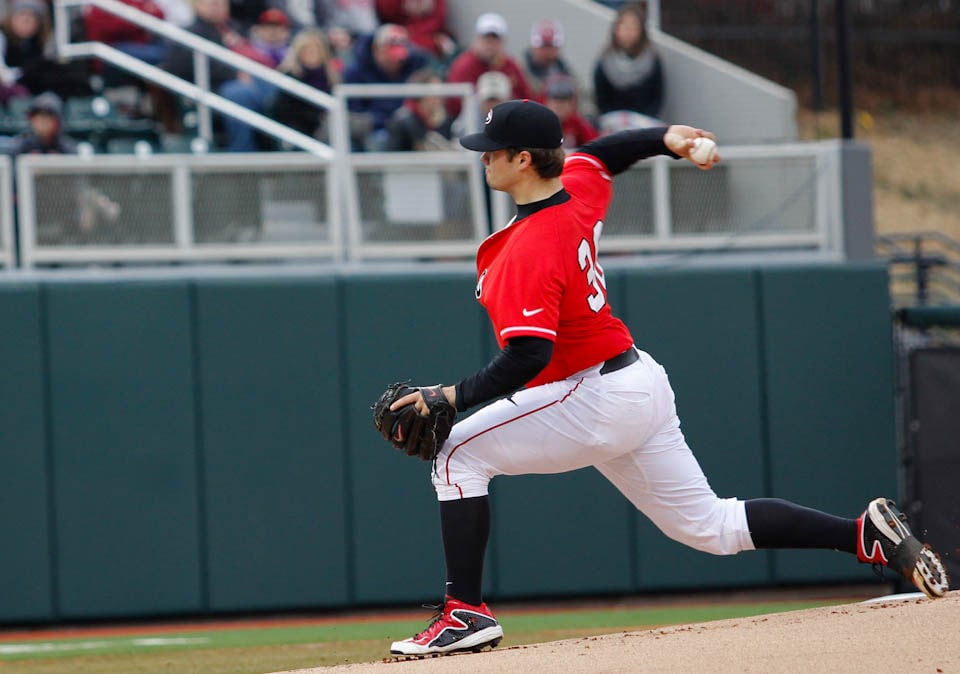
pixel 543 58
pixel 492 87
pixel 560 95
pixel 628 75
pixel 271 35
pixel 45 135
pixel 213 23
pixel 102 26
pixel 425 21
pixel 28 52
pixel 357 17
pixel 178 12
pixel 421 123
pixel 246 12
pixel 342 47
pixel 308 60
pixel 487 52
pixel 386 57
pixel 10 87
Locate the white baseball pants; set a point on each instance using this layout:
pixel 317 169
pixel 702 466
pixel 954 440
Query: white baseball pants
pixel 623 423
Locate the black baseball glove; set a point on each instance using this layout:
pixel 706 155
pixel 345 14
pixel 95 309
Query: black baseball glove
pixel 408 430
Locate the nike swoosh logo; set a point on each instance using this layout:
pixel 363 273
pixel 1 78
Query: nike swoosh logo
pixel 528 314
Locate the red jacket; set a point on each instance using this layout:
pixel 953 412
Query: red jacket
pixel 468 68
pixel 422 26
pixel 577 131
pixel 109 28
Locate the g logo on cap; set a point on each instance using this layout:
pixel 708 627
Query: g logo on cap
pixel 517 123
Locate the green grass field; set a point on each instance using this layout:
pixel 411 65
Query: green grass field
pixel 270 648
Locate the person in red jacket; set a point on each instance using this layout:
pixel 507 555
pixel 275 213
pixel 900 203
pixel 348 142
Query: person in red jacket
pixel 102 26
pixel 425 21
pixel 560 95
pixel 487 52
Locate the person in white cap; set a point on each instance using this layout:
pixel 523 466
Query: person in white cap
pixel 488 52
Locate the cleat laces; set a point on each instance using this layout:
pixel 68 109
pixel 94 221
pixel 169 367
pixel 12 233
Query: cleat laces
pixel 438 611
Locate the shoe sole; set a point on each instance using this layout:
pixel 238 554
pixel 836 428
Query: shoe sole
pixel 928 573
pixel 925 571
pixel 475 643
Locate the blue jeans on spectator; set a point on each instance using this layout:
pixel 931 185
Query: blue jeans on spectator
pixel 254 95
pixel 153 53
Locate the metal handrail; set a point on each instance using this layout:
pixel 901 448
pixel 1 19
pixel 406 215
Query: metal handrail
pixel 6 213
pixel 203 49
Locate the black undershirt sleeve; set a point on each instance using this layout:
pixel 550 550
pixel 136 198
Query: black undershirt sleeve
pixel 521 360
pixel 619 151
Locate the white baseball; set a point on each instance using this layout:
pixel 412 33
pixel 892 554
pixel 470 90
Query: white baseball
pixel 703 150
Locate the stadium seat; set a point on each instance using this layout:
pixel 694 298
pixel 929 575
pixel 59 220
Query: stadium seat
pixel 13 120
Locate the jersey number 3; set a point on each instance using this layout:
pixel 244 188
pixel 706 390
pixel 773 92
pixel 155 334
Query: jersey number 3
pixel 588 263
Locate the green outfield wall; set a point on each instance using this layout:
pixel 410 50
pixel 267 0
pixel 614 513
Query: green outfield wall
pixel 202 444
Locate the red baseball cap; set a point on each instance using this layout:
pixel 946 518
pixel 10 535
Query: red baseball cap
pixel 274 16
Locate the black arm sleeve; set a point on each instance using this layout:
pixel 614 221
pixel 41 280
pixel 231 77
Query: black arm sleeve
pixel 619 151
pixel 521 360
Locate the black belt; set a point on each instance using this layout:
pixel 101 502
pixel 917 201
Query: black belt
pixel 628 357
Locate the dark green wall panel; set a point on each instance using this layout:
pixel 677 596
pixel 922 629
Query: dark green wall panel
pixel 273 443
pixel 205 444
pixel 829 364
pixel 25 564
pixel 122 425
pixel 700 325
pixel 560 534
pixel 423 328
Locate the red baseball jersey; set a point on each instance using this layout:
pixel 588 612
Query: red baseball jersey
pixel 539 277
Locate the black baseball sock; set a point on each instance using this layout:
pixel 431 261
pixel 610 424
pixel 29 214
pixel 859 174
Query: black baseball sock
pixel 465 527
pixel 775 523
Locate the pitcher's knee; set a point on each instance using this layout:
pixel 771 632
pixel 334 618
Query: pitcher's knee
pixel 720 529
pixel 452 485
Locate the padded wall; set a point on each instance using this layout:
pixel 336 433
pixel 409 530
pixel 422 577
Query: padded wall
pixel 122 428
pixel 828 358
pixel 420 328
pixel 25 564
pixel 273 451
pixel 203 445
pixel 701 326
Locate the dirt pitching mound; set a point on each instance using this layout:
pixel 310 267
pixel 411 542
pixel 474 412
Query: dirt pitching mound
pixel 894 635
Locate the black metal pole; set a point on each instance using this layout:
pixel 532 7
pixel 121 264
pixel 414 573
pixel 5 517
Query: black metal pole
pixel 844 69
pixel 815 56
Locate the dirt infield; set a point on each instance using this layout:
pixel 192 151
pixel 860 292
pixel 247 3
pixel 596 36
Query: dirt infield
pixel 892 635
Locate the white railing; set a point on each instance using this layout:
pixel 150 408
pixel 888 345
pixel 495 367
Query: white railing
pixel 759 197
pixel 177 208
pixel 784 196
pixel 417 194
pixel 404 206
pixel 6 213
